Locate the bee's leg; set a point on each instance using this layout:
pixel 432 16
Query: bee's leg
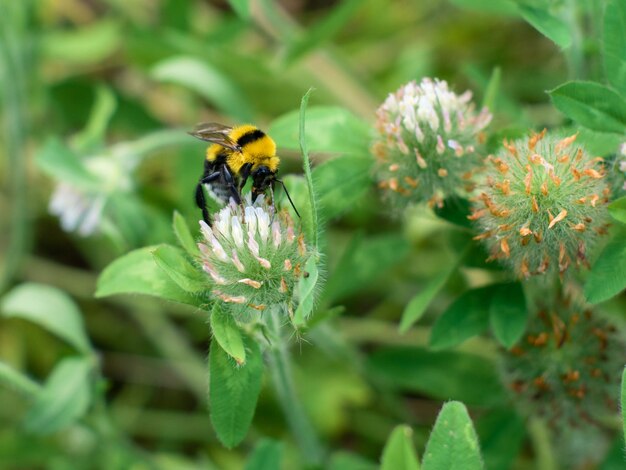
pixel 200 199
pixel 201 203
pixel 244 173
pixel 230 182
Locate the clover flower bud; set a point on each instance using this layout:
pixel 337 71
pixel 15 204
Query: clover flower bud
pixel 541 204
pixel 566 370
pixel 251 257
pixel 427 140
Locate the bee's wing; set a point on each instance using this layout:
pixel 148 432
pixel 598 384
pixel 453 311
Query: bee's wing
pixel 216 133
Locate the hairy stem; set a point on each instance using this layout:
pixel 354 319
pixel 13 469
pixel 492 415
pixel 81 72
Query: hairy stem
pixel 280 367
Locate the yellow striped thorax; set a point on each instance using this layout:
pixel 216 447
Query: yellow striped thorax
pixel 256 148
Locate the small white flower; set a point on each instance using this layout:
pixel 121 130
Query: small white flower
pixel 236 231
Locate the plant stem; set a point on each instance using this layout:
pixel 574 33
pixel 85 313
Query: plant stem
pixel 280 367
pixel 542 444
pixel 13 83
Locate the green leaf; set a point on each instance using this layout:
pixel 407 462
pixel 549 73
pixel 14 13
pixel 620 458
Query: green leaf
pixel 493 87
pixel 592 105
pixel 18 381
pixel 305 291
pixel 328 129
pixel 175 264
pixel 184 236
pixel 467 316
pixel 332 23
pixel 65 397
pixel 306 164
pixel 418 304
pixel 550 26
pixel 138 273
pixel 207 81
pixel 399 453
pixel 615 44
pixel 227 334
pixel 445 375
pixel 617 209
pixel 61 163
pixel 92 136
pixel 623 403
pixel 453 444
pixel 266 456
pixel 241 7
pixel 364 261
pixel 608 274
pixel 49 308
pixel 233 391
pixel 500 7
pixel 90 44
pixel 341 182
pixel 508 313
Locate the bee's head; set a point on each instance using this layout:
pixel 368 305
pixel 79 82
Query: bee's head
pixel 262 178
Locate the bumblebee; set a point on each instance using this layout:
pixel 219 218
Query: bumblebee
pixel 236 154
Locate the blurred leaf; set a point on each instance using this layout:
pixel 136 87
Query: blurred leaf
pixel 592 105
pixel 241 7
pixel 184 236
pixel 502 434
pixel 399 453
pixel 467 316
pixel 445 375
pixel 501 7
pixel 306 165
pixel 550 26
pixel 418 304
pixel 347 461
pixel 328 129
pixel 623 402
pixel 209 82
pixel 88 45
pixel 17 381
pixel 617 209
pixel 49 308
pixel 266 455
pixel 227 334
pixel 175 264
pixel 364 261
pixel 453 444
pixel 65 397
pixel 138 273
pixel 61 163
pixel 493 88
pixel 508 313
pixel 598 143
pixel 233 391
pixel 455 211
pixel 92 136
pixel 331 23
pixel 608 274
pixel 305 292
pixel 615 44
pixel 341 182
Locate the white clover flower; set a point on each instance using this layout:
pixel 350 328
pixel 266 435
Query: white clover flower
pixel 252 255
pixel 428 135
pixel 80 208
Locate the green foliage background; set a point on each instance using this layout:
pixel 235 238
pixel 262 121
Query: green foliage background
pixel 407 315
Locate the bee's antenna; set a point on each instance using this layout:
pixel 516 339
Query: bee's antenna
pixel 289 197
